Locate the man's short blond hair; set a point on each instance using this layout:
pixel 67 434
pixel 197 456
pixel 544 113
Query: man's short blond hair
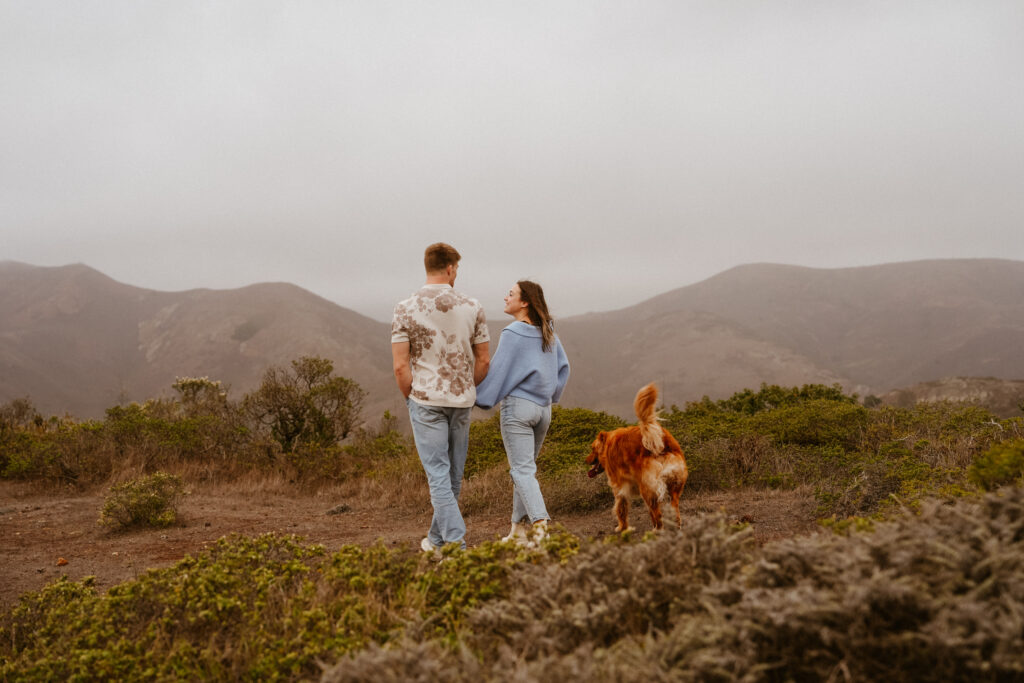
pixel 439 256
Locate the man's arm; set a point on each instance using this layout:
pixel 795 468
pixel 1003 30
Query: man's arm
pixel 482 354
pixel 403 368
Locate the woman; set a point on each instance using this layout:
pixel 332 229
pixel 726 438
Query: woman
pixel 528 372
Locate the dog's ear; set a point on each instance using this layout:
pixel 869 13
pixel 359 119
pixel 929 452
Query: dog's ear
pixel 597 447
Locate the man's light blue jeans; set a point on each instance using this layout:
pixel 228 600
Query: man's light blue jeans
pixel 442 439
pixel 524 424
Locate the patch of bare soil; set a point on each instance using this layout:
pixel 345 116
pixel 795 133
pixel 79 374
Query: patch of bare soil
pixel 45 536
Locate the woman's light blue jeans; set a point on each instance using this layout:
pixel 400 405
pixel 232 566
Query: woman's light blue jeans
pixel 524 425
pixel 442 439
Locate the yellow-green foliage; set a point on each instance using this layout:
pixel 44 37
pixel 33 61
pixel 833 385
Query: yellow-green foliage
pixel 1000 465
pixel 810 415
pixel 265 608
pixel 148 501
pixel 817 422
pixel 860 461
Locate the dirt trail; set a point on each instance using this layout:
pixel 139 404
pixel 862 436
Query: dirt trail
pixel 38 531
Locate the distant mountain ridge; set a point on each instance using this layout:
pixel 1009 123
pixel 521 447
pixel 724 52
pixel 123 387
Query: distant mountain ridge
pixel 75 340
pixel 871 328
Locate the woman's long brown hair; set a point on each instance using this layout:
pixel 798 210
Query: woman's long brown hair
pixel 533 295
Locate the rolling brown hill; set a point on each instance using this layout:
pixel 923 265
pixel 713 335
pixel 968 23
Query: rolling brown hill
pixel 76 341
pixel 872 329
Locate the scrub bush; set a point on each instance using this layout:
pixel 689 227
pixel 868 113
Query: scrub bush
pixel 1000 465
pixel 815 422
pixel 149 501
pixel 486 449
pixel 934 596
pixel 305 403
pixel 382 441
pixel 264 608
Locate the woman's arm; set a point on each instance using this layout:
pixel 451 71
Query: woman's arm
pixel 563 371
pixel 493 388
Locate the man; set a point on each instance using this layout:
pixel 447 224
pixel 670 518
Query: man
pixel 440 348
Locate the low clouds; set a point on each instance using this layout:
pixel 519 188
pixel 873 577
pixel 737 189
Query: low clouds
pixel 610 151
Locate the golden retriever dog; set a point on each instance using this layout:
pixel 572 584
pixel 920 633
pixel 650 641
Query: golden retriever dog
pixel 643 460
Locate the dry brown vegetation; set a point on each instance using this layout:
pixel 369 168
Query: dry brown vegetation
pixel 935 596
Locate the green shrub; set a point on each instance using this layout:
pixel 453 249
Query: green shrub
pixel 568 440
pixel 382 441
pixel 155 435
pixel 25 455
pixel 486 449
pixel 372 448
pixel 702 422
pixel 813 414
pixel 305 403
pixel 771 397
pixel 261 608
pixel 816 422
pixel 58 451
pixel 149 501
pixel 1001 464
pixel 944 433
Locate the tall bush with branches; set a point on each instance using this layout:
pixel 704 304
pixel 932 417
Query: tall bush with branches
pixel 306 403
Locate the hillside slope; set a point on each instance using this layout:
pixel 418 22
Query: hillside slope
pixel 75 340
pixel 873 329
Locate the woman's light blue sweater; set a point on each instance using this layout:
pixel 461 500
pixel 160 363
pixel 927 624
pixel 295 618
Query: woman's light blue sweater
pixel 520 368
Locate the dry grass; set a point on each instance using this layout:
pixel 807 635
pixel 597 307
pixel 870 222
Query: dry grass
pixel 394 483
pixel 489 492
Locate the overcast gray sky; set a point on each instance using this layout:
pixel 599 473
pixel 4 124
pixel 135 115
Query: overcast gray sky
pixel 610 150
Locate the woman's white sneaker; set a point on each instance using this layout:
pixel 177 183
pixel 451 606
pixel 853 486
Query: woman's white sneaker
pixel 537 533
pixel 518 533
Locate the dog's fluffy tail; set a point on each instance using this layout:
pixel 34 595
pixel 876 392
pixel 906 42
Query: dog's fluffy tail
pixel 650 431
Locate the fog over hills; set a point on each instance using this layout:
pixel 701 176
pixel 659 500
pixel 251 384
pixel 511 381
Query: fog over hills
pixel 75 340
